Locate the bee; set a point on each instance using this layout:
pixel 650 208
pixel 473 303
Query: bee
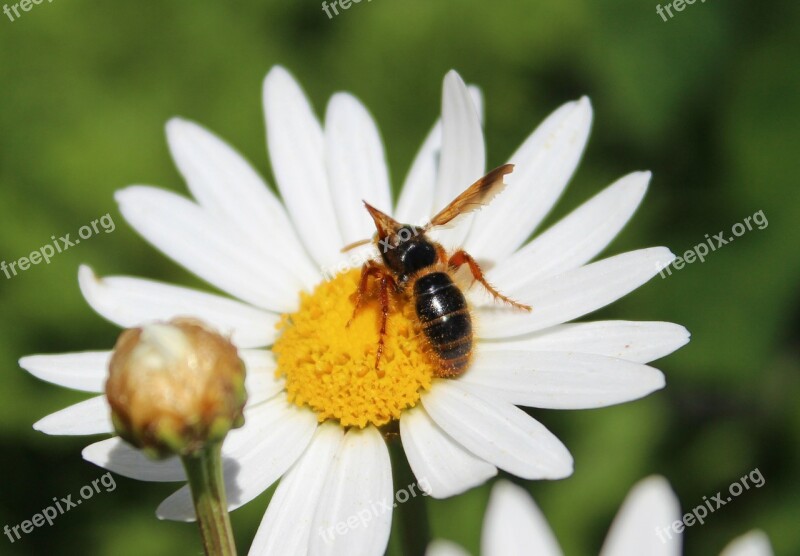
pixel 421 270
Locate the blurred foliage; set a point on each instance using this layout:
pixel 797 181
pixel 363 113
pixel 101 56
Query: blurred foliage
pixel 707 100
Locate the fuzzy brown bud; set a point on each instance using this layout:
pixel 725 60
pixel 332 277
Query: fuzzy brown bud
pixel 173 387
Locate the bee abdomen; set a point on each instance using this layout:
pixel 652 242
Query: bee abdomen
pixel 444 316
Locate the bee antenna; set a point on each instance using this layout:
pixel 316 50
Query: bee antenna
pixel 355 244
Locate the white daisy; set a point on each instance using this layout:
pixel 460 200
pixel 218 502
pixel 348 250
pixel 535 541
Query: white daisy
pixel 515 526
pixel 315 402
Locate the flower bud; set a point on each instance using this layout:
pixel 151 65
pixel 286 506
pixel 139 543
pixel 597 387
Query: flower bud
pixel 174 387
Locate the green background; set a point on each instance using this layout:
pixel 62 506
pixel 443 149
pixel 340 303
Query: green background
pixel 707 101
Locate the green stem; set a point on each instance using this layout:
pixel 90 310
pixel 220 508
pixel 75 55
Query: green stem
pixel 204 470
pixel 412 515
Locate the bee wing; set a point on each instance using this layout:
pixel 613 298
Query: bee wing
pixel 474 197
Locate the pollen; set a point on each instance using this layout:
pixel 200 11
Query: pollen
pixel 330 367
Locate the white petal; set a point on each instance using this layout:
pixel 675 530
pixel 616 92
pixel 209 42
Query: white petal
pixel 572 294
pixel 754 543
pixel 356 166
pixel 206 246
pixel 562 380
pixel 123 459
pixel 439 547
pixel 297 151
pixel 477 99
pixel 577 238
pixel 92 416
pixel 129 302
pixel 442 467
pixel 85 371
pixel 260 380
pixel 650 508
pixel 273 437
pixel 463 156
pixel 415 204
pixel 497 432
pixel 543 166
pixel 286 527
pixel 225 184
pixel 641 342
pixel 515 526
pixel 463 151
pixel 358 494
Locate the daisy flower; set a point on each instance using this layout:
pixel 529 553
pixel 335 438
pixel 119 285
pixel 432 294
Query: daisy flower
pixel 317 409
pixel 515 526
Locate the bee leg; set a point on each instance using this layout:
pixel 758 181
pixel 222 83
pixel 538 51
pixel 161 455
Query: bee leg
pixel 440 253
pixel 387 281
pixel 367 270
pixel 461 257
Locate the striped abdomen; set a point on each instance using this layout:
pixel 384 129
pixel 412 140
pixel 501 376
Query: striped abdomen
pixel 444 316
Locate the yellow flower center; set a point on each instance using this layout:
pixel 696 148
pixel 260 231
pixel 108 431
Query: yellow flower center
pixel 330 367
